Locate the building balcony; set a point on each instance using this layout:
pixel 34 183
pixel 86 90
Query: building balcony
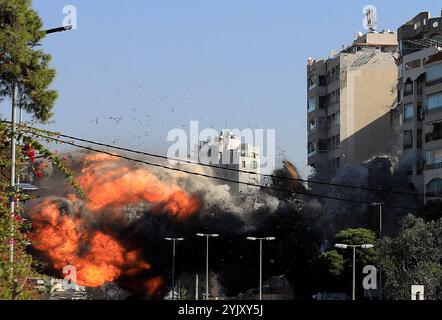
pixel 433 110
pixel 433 136
pixel 434 82
pixel 433 166
pixel 322 146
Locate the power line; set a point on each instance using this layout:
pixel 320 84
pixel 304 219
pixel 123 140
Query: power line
pixel 232 169
pixel 215 177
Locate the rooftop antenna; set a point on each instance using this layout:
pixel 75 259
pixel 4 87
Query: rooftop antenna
pixel 372 22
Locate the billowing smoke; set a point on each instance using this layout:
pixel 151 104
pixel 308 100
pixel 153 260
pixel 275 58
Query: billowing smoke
pixel 379 173
pixel 117 234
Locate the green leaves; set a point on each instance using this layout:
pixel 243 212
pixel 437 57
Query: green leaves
pixel 414 256
pixel 331 262
pixel 20 64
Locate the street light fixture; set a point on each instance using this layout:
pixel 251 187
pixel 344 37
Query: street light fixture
pixel 207 235
pixel 59 29
pixel 174 240
pixel 260 259
pixel 345 246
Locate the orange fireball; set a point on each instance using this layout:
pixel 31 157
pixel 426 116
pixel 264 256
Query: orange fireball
pixel 61 229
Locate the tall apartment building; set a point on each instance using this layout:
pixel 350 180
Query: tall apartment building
pixel 350 99
pixel 420 101
pixel 228 152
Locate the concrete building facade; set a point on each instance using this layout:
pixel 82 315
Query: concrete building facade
pixel 420 101
pixel 350 103
pixel 228 152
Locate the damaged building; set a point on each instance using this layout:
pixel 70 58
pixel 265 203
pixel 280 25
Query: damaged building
pixel 350 103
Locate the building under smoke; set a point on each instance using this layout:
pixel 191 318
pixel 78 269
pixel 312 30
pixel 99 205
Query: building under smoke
pixel 228 152
pixel 420 101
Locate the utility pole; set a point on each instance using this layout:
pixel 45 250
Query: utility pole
pixel 12 177
pixel 12 185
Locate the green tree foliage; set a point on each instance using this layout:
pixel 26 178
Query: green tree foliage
pixel 331 263
pixel 414 256
pixel 20 63
pixel 13 285
pixel 356 237
pixel 333 268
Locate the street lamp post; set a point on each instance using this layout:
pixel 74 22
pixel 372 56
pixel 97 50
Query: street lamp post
pixel 207 235
pixel 380 205
pixel 174 240
pixel 260 259
pixel 345 246
pixel 12 184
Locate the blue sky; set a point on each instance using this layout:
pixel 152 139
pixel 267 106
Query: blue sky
pixel 226 63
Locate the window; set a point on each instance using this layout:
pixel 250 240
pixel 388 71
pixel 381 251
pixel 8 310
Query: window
pixel 322 145
pixel 408 112
pixel 329 121
pixel 254 165
pixel 333 98
pixel 322 102
pixel 434 73
pixel 408 88
pixel 243 164
pixel 231 156
pixel 434 188
pixel 420 167
pixel 433 159
pixel 312 125
pixel 419 138
pixel 338 141
pixel 338 163
pixel 435 134
pixel 254 155
pixel 311 147
pixel 311 104
pixel 413 64
pixel 311 83
pixel 408 139
pixel 417 25
pixel 434 102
